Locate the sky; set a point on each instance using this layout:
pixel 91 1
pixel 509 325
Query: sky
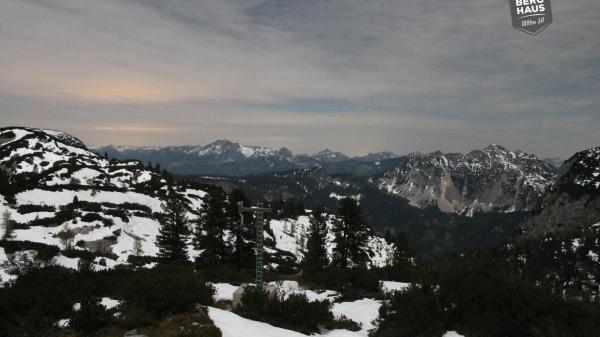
pixel 356 76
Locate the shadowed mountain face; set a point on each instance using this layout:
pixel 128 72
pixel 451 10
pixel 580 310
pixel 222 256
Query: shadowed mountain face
pixel 573 200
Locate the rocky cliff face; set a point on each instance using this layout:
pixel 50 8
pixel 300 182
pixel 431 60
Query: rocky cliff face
pixel 492 179
pixel 573 201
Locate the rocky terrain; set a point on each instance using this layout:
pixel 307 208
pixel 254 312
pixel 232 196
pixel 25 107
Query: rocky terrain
pixel 491 179
pixel 572 203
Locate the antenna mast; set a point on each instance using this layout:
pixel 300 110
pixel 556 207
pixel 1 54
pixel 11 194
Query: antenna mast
pixel 260 222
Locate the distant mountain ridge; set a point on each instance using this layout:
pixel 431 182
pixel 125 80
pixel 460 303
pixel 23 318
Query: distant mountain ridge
pixel 224 157
pixel 491 179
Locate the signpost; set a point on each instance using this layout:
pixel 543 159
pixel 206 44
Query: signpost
pixel 260 220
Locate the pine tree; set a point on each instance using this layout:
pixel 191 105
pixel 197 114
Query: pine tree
pixel 351 235
pixel 315 259
pixel 173 232
pixel 403 254
pixel 85 265
pixel 210 228
pixel 243 238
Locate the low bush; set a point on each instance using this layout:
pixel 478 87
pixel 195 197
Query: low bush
pixel 343 322
pixel 91 317
pixel 353 283
pixel 162 290
pixel 44 252
pixel 227 273
pixel 478 301
pixel 29 208
pixel 91 217
pixel 294 312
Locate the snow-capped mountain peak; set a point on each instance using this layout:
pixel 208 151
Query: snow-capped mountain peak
pixel 327 155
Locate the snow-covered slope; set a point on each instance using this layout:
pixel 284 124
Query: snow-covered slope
pixel 491 179
pixel 291 235
pixel 44 173
pixel 51 184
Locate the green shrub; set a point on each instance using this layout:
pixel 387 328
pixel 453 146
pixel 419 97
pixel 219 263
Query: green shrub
pixel 294 312
pixel 478 301
pixel 353 283
pixel 91 217
pixel 164 289
pixel 343 322
pixel 44 252
pixel 91 317
pixel 30 208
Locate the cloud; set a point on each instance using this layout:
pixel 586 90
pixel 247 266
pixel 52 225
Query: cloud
pixel 355 75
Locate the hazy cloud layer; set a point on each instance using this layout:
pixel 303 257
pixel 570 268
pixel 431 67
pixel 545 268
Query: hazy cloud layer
pixel 352 75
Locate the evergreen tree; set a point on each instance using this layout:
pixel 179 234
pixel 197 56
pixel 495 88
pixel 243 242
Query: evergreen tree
pixel 243 238
pixel 388 236
pixel 403 254
pixel 351 235
pixel 171 239
pixel 210 228
pixel 85 265
pixel 315 259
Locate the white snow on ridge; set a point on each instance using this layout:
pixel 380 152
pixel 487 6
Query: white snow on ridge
pixel 452 334
pixel 292 287
pixel 65 197
pixel 363 311
pixel 224 291
pixel 232 325
pixel 392 286
pixel 291 236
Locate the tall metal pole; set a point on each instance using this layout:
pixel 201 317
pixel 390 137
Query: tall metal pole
pixel 259 246
pixel 260 221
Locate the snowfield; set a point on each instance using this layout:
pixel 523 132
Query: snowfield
pixel 392 286
pixel 290 235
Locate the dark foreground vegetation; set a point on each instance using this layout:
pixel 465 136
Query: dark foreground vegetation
pixel 522 289
pixel 479 301
pixel 38 299
pixel 295 312
pixel 529 287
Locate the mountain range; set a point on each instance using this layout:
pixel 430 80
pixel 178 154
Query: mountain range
pixel 224 157
pixel 490 179
pixel 442 201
